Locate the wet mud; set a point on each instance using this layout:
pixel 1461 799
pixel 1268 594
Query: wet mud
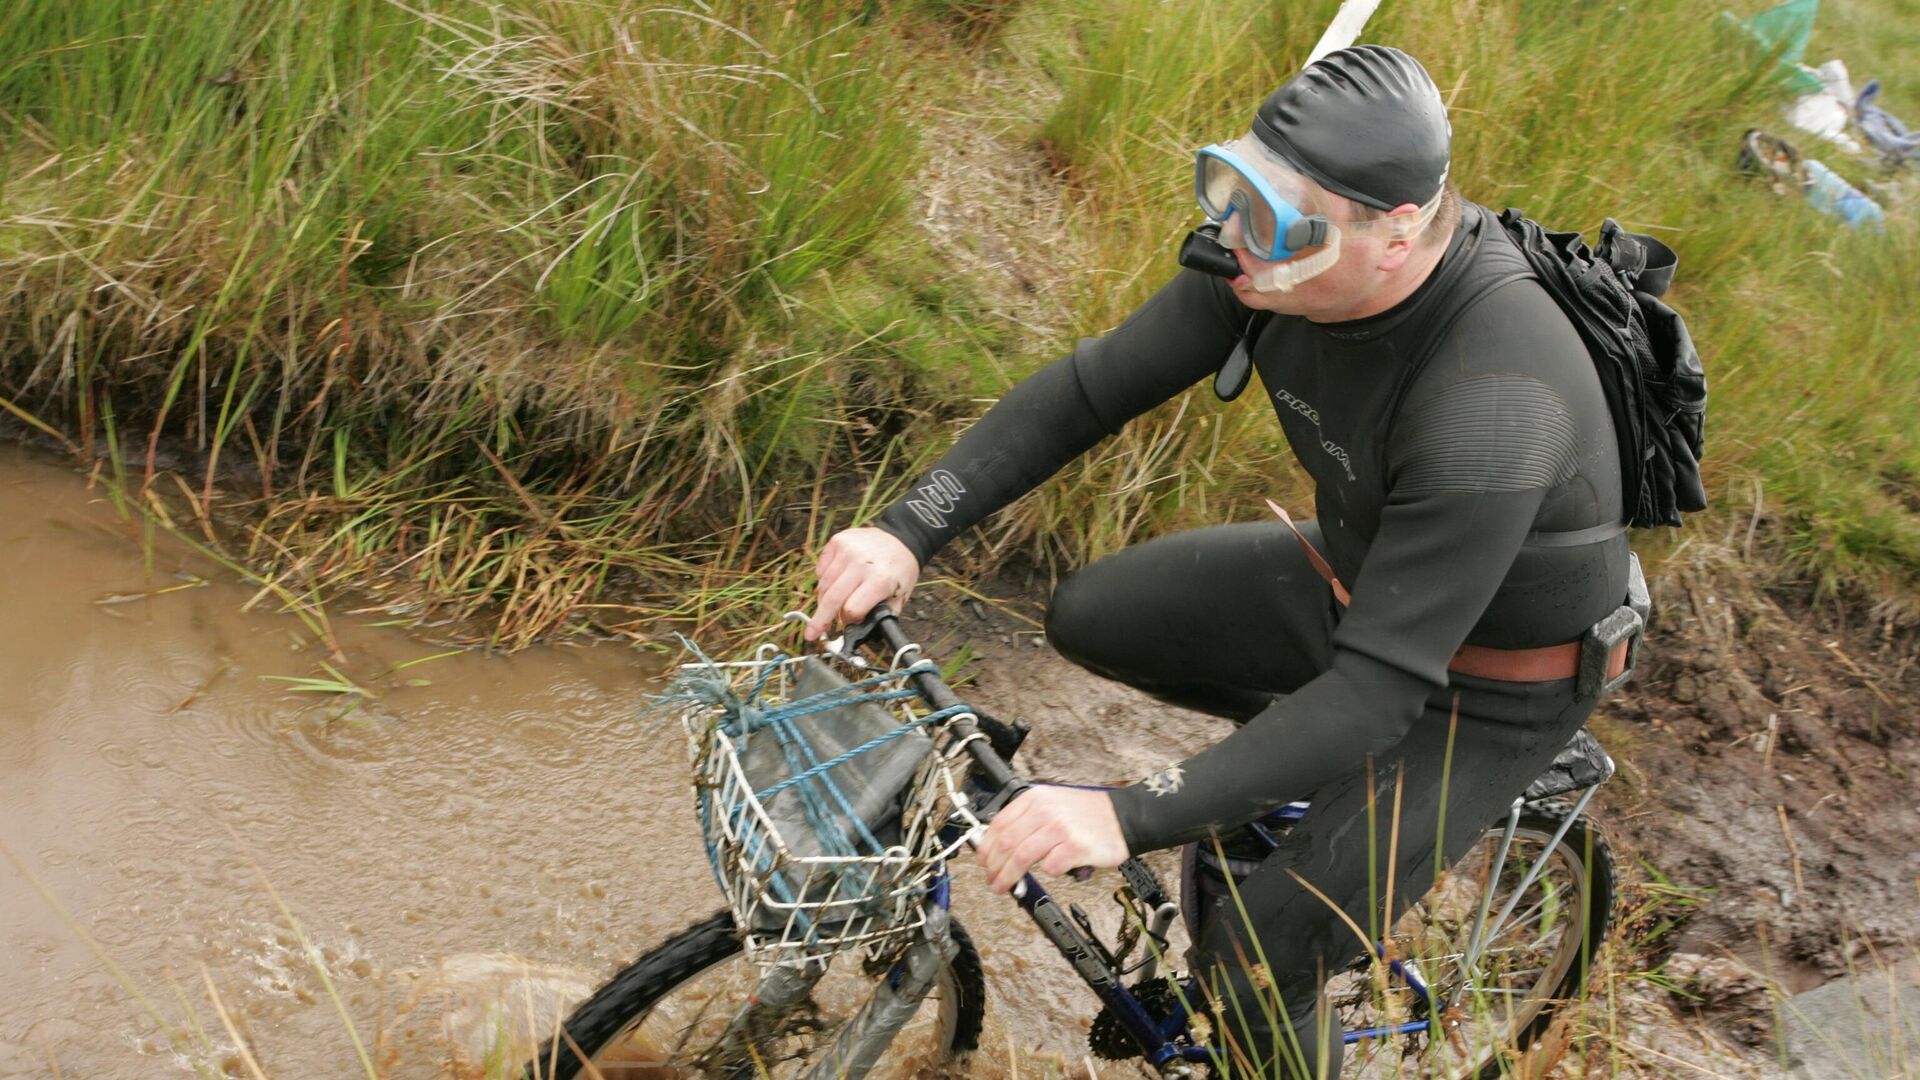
pixel 1772 776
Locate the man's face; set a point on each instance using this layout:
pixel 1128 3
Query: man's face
pixel 1351 287
pixel 1328 296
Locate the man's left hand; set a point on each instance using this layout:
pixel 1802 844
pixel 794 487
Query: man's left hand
pixel 1058 828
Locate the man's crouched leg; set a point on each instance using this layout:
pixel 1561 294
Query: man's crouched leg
pixel 1217 619
pixel 1283 1032
pixel 1269 1031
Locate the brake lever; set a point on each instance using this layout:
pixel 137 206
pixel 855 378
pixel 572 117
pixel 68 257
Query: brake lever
pixel 1004 737
pixel 848 644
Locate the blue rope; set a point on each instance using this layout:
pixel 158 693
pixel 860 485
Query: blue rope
pixel 802 760
pixel 870 744
pixel 804 763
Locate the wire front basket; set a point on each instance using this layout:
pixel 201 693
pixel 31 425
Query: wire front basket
pixel 822 790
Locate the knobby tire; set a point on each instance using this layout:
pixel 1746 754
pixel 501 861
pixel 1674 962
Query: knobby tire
pixel 632 994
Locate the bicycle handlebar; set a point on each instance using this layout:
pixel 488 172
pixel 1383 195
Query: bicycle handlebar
pixel 994 769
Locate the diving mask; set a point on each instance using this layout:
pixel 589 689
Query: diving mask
pixel 1255 197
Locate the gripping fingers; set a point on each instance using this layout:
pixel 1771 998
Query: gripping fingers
pixel 1030 850
pixel 834 592
pixel 833 559
pixel 871 592
pixel 852 594
pixel 857 569
pixel 850 586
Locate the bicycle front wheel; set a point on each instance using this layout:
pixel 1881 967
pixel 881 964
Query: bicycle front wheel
pixel 662 1017
pixel 1483 1017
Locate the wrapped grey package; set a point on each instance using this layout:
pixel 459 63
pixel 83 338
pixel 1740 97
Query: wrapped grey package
pixel 871 783
pixel 1580 765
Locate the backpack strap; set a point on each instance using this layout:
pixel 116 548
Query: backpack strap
pixel 1643 249
pixel 1642 263
pixel 1575 537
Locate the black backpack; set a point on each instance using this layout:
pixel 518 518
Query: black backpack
pixel 1655 386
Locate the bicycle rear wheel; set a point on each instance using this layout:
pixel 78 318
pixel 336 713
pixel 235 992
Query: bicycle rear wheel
pixel 1529 965
pixel 661 1016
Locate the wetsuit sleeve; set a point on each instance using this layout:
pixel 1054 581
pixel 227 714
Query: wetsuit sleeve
pixel 1053 416
pixel 1468 472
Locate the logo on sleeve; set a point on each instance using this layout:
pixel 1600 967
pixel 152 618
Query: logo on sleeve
pixel 937 498
pixel 1167 781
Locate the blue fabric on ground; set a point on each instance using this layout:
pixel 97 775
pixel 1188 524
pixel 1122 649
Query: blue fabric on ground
pixel 1883 129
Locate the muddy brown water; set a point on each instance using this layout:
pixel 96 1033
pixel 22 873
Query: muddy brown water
pixel 474 819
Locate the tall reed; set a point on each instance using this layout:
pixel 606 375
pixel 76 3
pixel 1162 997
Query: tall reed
pixel 521 280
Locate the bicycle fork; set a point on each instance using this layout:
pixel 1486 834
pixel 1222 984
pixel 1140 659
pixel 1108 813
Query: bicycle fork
pixel 863 1038
pixel 1483 929
pixel 867 1034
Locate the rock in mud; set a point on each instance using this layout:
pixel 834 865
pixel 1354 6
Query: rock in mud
pixel 1726 990
pixel 1860 1026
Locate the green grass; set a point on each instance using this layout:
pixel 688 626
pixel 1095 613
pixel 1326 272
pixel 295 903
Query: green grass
pixel 582 313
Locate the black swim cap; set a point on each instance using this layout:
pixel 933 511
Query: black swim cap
pixel 1365 122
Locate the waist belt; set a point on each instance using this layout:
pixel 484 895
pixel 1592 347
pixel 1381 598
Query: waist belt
pixel 1544 664
pixel 1547 663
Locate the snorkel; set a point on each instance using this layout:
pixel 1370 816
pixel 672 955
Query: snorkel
pixel 1202 251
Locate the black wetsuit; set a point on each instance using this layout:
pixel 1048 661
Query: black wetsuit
pixel 1482 509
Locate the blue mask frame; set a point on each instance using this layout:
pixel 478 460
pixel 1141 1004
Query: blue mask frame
pixel 1293 232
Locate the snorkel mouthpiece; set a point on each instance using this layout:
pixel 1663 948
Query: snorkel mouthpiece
pixel 1201 251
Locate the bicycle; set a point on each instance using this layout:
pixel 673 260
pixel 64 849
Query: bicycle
pixel 824 962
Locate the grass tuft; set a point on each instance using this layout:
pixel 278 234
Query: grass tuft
pixel 580 313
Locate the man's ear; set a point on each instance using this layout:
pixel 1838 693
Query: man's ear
pixel 1395 255
pixel 1397 252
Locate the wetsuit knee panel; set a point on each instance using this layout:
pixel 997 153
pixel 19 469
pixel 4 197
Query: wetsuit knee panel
pixel 1074 619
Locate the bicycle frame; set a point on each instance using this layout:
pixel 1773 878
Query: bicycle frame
pixel 1167 1044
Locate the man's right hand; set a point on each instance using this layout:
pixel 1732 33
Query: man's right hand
pixel 858 569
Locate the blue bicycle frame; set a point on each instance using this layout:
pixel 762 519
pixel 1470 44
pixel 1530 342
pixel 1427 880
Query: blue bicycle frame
pixel 1163 1042
pixel 1166 1039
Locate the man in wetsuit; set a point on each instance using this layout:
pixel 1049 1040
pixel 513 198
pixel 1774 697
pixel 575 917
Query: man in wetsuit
pixel 1468 495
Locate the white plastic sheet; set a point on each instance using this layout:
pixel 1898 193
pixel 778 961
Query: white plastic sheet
pixel 1827 113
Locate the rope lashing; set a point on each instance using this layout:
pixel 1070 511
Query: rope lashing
pixel 825 806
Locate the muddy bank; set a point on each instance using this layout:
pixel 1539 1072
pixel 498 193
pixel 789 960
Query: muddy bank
pixel 1773 772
